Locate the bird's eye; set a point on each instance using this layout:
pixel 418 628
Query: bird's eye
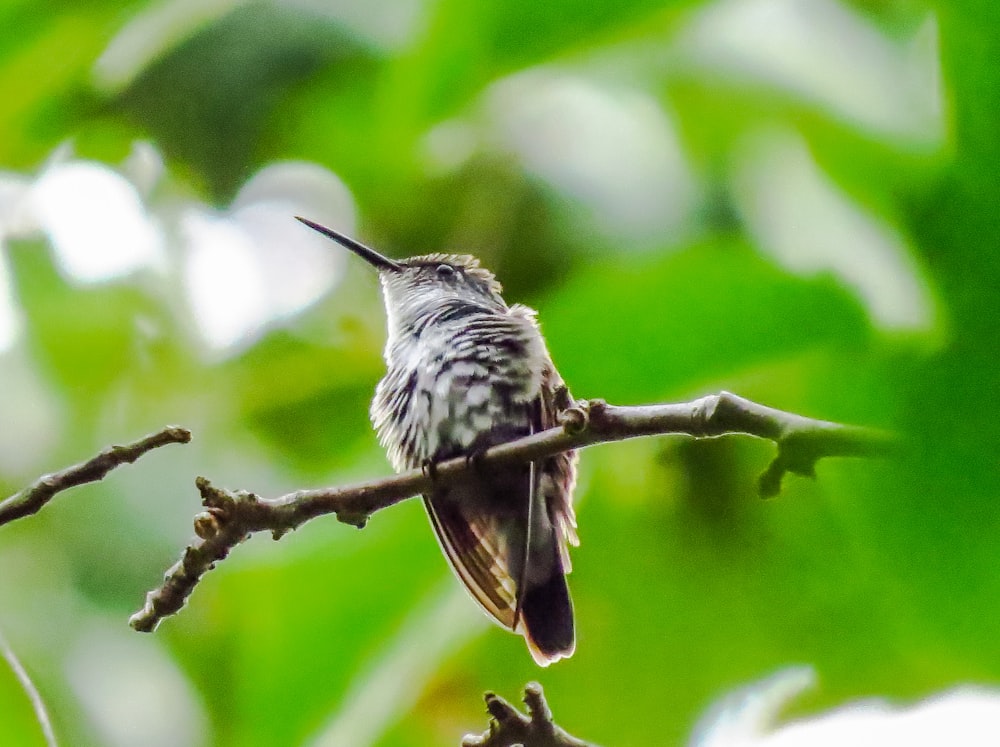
pixel 445 271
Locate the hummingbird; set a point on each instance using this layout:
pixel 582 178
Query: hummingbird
pixel 465 371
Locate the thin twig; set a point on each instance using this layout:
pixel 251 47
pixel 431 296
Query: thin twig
pixel 31 499
pixel 508 727
pixel 41 712
pixel 231 516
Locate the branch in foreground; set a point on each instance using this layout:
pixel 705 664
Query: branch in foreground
pixel 509 728
pixel 37 704
pixel 31 500
pixel 231 516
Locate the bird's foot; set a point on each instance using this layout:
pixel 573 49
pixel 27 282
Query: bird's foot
pixel 474 459
pixel 429 468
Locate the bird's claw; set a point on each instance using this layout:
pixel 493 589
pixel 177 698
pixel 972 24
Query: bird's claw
pixel 474 459
pixel 429 468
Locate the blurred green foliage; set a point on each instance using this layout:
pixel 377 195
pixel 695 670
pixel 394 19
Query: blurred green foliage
pixel 881 575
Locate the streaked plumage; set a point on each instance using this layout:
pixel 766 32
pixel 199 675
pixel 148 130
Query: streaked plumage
pixel 466 371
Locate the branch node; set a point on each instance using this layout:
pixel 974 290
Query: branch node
pixel 177 434
pixel 143 622
pixel 211 496
pixel 704 410
pixel 508 727
pixel 206 525
pixel 357 520
pixel 769 483
pixel 534 699
pixel 501 710
pixel 574 419
pixel 245 496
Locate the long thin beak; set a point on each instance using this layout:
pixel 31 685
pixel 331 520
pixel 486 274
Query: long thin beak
pixel 369 255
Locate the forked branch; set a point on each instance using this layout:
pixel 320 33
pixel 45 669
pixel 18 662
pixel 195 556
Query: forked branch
pixel 231 516
pixel 509 728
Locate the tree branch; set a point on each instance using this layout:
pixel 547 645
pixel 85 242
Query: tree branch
pixel 509 728
pixel 231 516
pixel 31 500
pixel 35 697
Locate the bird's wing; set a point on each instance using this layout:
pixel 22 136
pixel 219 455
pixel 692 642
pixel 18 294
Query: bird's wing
pixel 476 544
pixel 557 478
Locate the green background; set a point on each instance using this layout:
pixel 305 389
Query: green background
pixel 880 575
